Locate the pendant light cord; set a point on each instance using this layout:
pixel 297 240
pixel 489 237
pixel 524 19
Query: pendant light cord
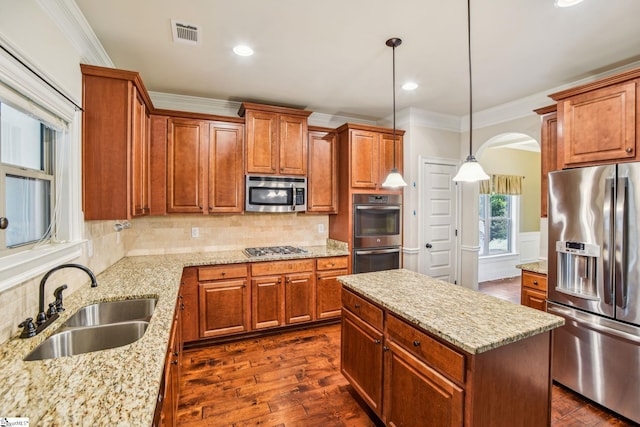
pixel 470 83
pixel 394 105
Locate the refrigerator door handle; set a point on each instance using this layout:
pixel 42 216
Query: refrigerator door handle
pixel 607 249
pixel 621 242
pixel 594 323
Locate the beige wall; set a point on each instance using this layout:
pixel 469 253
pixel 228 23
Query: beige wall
pixel 506 161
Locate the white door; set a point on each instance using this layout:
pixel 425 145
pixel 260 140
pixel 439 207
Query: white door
pixel 438 209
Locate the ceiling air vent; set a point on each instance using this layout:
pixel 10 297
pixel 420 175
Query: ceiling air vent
pixel 185 33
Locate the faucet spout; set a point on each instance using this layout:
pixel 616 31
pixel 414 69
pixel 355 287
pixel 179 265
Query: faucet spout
pixel 42 317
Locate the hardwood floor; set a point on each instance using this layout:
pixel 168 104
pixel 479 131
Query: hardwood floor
pixel 293 380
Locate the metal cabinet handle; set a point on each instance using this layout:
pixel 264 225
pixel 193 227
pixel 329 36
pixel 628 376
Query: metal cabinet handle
pixel 356 305
pixel 385 348
pixel 535 282
pixel 416 343
pixel 377 341
pixel 629 149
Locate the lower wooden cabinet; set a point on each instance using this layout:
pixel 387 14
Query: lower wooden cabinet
pixel 167 406
pixel 232 299
pixel 414 392
pixel 412 378
pixel 361 359
pixel 533 290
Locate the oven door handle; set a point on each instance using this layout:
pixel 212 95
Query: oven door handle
pixel 377 251
pixel 380 208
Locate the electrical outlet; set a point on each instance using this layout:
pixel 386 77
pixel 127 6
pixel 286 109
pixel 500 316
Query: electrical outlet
pixel 195 232
pixel 320 228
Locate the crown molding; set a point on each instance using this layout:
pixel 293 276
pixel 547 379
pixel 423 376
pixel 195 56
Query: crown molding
pixel 69 18
pixel 194 104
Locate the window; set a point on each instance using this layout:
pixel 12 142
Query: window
pixel 40 176
pixel 497 213
pixel 26 177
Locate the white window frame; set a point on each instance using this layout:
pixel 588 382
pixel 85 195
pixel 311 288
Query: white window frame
pixel 515 218
pixel 23 265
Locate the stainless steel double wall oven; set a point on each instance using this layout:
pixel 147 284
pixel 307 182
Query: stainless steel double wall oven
pixel 377 232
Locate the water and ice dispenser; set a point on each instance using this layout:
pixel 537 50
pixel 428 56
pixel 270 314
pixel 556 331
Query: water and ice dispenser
pixel 577 268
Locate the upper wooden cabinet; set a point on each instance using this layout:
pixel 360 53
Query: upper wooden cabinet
pixel 204 166
pixel 276 139
pixel 115 144
pixel 370 155
pixel 322 180
pixel 597 121
pixel 548 151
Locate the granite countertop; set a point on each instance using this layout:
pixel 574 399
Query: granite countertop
pixel 470 320
pixel 117 386
pixel 539 267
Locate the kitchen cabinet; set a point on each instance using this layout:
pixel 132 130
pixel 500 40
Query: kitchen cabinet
pixel 115 144
pixel 361 359
pixel 322 181
pixel 283 293
pixel 170 387
pixel 224 300
pixel 533 290
pixel 407 375
pixel 548 151
pixel 328 288
pixel 204 166
pixel 370 154
pixel 276 139
pixel 597 122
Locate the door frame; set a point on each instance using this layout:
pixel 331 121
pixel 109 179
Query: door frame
pixel 421 219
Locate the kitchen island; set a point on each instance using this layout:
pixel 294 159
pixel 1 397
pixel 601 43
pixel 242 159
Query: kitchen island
pixel 420 351
pixel 118 386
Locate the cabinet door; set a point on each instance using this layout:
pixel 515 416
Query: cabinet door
pixel 322 181
pixel 226 167
pixel 262 142
pixel 224 307
pixel 549 155
pixel 389 149
pixel 328 294
pixel 599 126
pixel 361 359
pixel 299 293
pixel 186 165
pixel 267 301
pixel 415 393
pixel 364 159
pixel 189 292
pixel 293 145
pixel 140 142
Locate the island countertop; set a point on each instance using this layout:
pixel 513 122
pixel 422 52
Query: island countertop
pixel 469 320
pixel 118 386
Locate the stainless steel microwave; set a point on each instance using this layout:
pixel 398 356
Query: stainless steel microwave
pixel 275 193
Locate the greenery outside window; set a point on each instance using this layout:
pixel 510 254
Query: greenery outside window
pixel 496 224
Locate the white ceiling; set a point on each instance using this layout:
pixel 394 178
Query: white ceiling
pixel 330 56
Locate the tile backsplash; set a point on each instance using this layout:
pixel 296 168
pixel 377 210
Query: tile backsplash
pixel 173 234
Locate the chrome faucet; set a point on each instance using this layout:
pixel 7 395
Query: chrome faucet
pixel 44 319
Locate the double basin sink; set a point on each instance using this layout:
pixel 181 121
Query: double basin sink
pixel 99 326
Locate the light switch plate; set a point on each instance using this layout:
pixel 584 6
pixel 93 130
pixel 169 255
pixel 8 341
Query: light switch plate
pixel 195 232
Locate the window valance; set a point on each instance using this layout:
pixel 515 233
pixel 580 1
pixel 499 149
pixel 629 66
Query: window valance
pixel 502 184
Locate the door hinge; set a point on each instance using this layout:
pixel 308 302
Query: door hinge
pixel 456 232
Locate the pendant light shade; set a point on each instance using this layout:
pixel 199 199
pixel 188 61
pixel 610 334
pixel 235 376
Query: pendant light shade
pixel 394 179
pixel 470 171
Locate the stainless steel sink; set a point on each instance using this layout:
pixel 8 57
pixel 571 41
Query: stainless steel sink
pixel 86 340
pixel 112 312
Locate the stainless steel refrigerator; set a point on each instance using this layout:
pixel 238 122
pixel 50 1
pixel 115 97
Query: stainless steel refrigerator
pixel 594 283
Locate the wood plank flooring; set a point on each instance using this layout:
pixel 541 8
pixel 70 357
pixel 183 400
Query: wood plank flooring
pixel 293 380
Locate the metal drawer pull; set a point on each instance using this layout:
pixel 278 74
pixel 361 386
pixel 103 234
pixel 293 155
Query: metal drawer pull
pixel 356 305
pixel 377 341
pixel 535 282
pixel 416 343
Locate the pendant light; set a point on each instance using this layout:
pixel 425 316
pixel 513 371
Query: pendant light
pixel 394 179
pixel 470 171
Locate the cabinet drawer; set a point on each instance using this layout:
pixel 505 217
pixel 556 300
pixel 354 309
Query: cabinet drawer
pixel 434 353
pixel 534 281
pixel 332 263
pixel 230 271
pixel 362 308
pixel 282 267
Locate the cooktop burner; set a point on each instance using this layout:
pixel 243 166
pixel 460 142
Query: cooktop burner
pixel 274 250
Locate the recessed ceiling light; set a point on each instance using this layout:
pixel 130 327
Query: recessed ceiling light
pixel 410 86
pixel 567 3
pixel 243 50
